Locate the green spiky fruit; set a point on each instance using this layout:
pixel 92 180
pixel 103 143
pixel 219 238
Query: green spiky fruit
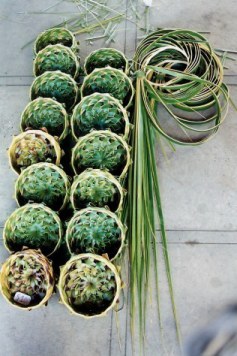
pixel 28 272
pixel 99 112
pixel 56 57
pixel 33 226
pixel 109 80
pixel 96 188
pixel 46 113
pixel 55 36
pixel 95 230
pixel 103 150
pixel 89 285
pixel 105 57
pixel 31 147
pixel 57 85
pixel 43 183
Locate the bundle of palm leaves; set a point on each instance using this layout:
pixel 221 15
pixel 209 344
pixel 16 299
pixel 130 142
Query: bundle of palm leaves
pixel 178 71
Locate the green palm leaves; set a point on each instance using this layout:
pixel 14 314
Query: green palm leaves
pixel 89 285
pixel 29 273
pixel 182 72
pixel 178 71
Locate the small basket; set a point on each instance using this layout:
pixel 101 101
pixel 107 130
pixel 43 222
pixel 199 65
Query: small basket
pixel 62 283
pixel 48 271
pixel 28 141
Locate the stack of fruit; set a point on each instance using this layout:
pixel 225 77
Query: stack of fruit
pixel 89 284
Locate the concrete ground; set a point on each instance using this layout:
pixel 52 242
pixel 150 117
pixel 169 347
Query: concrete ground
pixel 198 185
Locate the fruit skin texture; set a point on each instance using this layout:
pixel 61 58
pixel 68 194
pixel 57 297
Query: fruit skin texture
pixel 105 57
pixel 89 285
pixel 99 111
pixel 109 80
pixel 56 85
pixel 54 36
pixel 31 147
pixel 56 57
pixel 95 230
pixel 102 150
pixel 46 113
pixel 94 187
pixel 33 226
pixel 28 272
pixel 43 183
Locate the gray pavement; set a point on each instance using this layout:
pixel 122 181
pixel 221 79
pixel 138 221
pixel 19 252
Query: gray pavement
pixel 198 185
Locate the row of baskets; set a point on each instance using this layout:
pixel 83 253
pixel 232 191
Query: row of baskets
pixel 89 283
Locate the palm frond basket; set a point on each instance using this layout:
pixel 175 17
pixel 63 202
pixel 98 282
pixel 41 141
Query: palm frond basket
pixel 56 57
pixel 97 188
pixel 94 309
pixel 43 183
pixel 102 150
pixel 31 147
pixel 46 113
pixel 33 226
pixel 47 270
pixel 54 36
pixel 95 230
pixel 99 111
pixel 106 57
